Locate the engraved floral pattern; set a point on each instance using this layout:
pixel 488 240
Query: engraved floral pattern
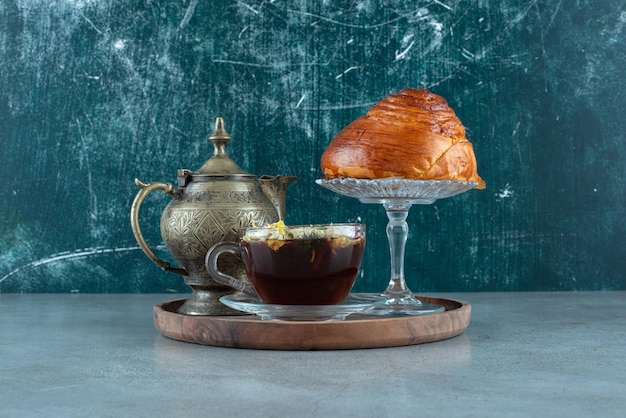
pixel 189 233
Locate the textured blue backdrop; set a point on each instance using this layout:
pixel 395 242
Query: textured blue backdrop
pixel 96 92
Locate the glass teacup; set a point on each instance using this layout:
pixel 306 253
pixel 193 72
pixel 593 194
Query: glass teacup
pixel 295 265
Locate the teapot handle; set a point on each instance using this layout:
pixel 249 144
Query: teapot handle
pixel 145 190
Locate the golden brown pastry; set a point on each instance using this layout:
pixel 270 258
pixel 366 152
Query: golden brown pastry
pixel 412 134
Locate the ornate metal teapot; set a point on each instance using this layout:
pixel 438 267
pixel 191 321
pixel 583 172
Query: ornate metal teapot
pixel 210 206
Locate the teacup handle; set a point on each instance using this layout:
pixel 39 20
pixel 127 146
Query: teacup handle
pixel 210 262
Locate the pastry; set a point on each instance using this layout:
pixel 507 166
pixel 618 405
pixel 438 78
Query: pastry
pixel 412 134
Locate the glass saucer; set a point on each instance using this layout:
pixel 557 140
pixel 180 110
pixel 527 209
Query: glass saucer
pixel 354 303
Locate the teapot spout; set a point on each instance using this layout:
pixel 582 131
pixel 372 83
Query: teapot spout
pixel 275 189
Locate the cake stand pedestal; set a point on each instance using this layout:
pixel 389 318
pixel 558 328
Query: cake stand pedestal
pixel 397 196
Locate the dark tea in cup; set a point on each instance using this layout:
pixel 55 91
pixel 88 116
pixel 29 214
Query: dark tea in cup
pixel 296 265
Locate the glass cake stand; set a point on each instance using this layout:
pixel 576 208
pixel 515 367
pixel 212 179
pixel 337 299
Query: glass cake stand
pixel 397 196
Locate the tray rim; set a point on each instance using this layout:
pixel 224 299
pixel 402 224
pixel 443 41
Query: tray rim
pixel 352 333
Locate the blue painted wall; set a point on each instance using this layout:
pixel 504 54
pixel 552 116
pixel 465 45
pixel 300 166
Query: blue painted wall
pixel 94 93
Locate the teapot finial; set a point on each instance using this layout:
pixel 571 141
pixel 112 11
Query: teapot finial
pixel 219 137
pixel 220 163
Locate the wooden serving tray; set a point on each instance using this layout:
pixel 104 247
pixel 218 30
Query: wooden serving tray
pixel 356 331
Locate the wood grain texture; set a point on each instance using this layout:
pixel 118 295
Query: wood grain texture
pixel 356 332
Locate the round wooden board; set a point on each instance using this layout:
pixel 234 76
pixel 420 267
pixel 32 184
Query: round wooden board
pixel 356 331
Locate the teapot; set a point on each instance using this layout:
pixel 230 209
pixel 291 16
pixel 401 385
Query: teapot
pixel 209 206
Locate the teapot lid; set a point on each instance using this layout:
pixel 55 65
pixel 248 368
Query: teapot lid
pixel 220 164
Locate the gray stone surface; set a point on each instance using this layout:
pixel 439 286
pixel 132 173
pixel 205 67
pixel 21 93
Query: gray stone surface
pixel 524 354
